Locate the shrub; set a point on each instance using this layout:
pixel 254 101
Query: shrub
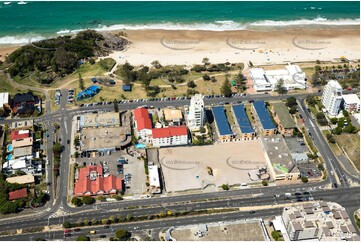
pixel 225 187
pixel 264 183
pixel 88 200
pixel 304 179
pixel 76 201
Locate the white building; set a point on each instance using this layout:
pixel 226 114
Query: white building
pixel 266 80
pixel 332 97
pixel 195 117
pixel 322 221
pixel 170 136
pixel 351 103
pixel 4 100
pixel 154 179
pixel 142 124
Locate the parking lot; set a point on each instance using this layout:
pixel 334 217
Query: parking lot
pixel 120 164
pixel 211 165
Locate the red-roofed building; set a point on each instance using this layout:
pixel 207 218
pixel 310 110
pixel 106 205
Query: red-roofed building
pixel 177 135
pixel 19 134
pixel 142 124
pixel 18 194
pixel 92 182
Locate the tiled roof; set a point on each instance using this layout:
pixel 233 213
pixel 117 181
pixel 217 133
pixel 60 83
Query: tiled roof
pixel 169 132
pixel 19 134
pixel 91 182
pixel 18 194
pixel 141 117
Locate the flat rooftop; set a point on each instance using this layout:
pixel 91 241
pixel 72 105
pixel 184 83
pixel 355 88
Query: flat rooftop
pixel 172 114
pixel 278 153
pixel 22 151
pixel 226 231
pixel 104 138
pixel 100 119
pixel 283 115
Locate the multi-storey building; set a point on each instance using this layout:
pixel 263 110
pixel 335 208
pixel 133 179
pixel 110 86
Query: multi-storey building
pixel 177 135
pixel 142 124
pixel 195 117
pixel 351 103
pixel 332 97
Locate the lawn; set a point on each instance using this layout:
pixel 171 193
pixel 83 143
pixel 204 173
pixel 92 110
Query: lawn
pixel 351 144
pixel 6 87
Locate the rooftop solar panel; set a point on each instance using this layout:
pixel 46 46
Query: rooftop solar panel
pixel 242 119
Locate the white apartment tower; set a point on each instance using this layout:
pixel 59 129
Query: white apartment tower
pixel 332 97
pixel 195 117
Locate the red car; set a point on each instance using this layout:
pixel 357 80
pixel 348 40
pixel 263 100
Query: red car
pixel 67 230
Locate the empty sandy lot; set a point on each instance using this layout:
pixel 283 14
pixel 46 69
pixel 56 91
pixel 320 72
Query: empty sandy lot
pixel 185 168
pixel 250 231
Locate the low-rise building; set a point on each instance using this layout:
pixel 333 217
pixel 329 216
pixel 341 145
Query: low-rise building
pixel 286 125
pixel 351 103
pixel 22 142
pixel 96 120
pixel 19 134
pixel 22 151
pixel 4 100
pixel 154 181
pixel 266 80
pixel 173 116
pixel 91 182
pixel 17 194
pixel 170 136
pixel 224 131
pixel 142 124
pixel 324 221
pixel 267 126
pixel 25 179
pixel 26 124
pixel 247 132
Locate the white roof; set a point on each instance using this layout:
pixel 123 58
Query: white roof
pixel 280 226
pixel 357 117
pixel 153 176
pixel 4 98
pixel 351 98
pixel 334 84
pixel 18 163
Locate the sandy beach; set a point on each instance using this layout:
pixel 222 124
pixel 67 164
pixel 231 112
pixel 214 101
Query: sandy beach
pixel 261 47
pixel 267 47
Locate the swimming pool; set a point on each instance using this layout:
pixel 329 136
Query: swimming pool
pixel 9 157
pixel 10 148
pixel 140 146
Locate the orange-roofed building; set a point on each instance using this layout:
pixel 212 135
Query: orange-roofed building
pixel 177 135
pixel 18 194
pixel 91 182
pixel 142 124
pixel 19 134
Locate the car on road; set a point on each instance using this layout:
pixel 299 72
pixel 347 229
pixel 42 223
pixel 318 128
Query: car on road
pixel 77 230
pixel 68 142
pixel 102 236
pixel 252 212
pixel 67 235
pixel 334 185
pixel 67 230
pixel 92 232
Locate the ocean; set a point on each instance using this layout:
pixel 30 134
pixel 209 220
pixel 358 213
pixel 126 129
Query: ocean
pixel 39 20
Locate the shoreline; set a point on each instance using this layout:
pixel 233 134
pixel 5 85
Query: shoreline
pixel 275 45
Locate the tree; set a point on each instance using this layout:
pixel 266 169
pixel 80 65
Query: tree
pixel 191 84
pixel 293 110
pixel 88 200
pixel 116 108
pixel 122 234
pixel 206 77
pixel 264 183
pixel 81 82
pixel 57 148
pixel 304 179
pixel 82 238
pixel 291 102
pixel 202 130
pixel 280 89
pixel 76 201
pixel 156 64
pixel 66 225
pixel 226 89
pixel 225 187
pixel 337 130
pixel 205 61
pixel 275 235
pixel 345 113
pixel 213 79
pixel 334 120
pixel 311 100
pixel 127 73
pixel 321 119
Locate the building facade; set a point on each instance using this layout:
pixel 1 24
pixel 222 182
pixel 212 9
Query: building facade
pixel 351 103
pixel 142 124
pixel 196 115
pixel 281 114
pixel 170 136
pixel 332 97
